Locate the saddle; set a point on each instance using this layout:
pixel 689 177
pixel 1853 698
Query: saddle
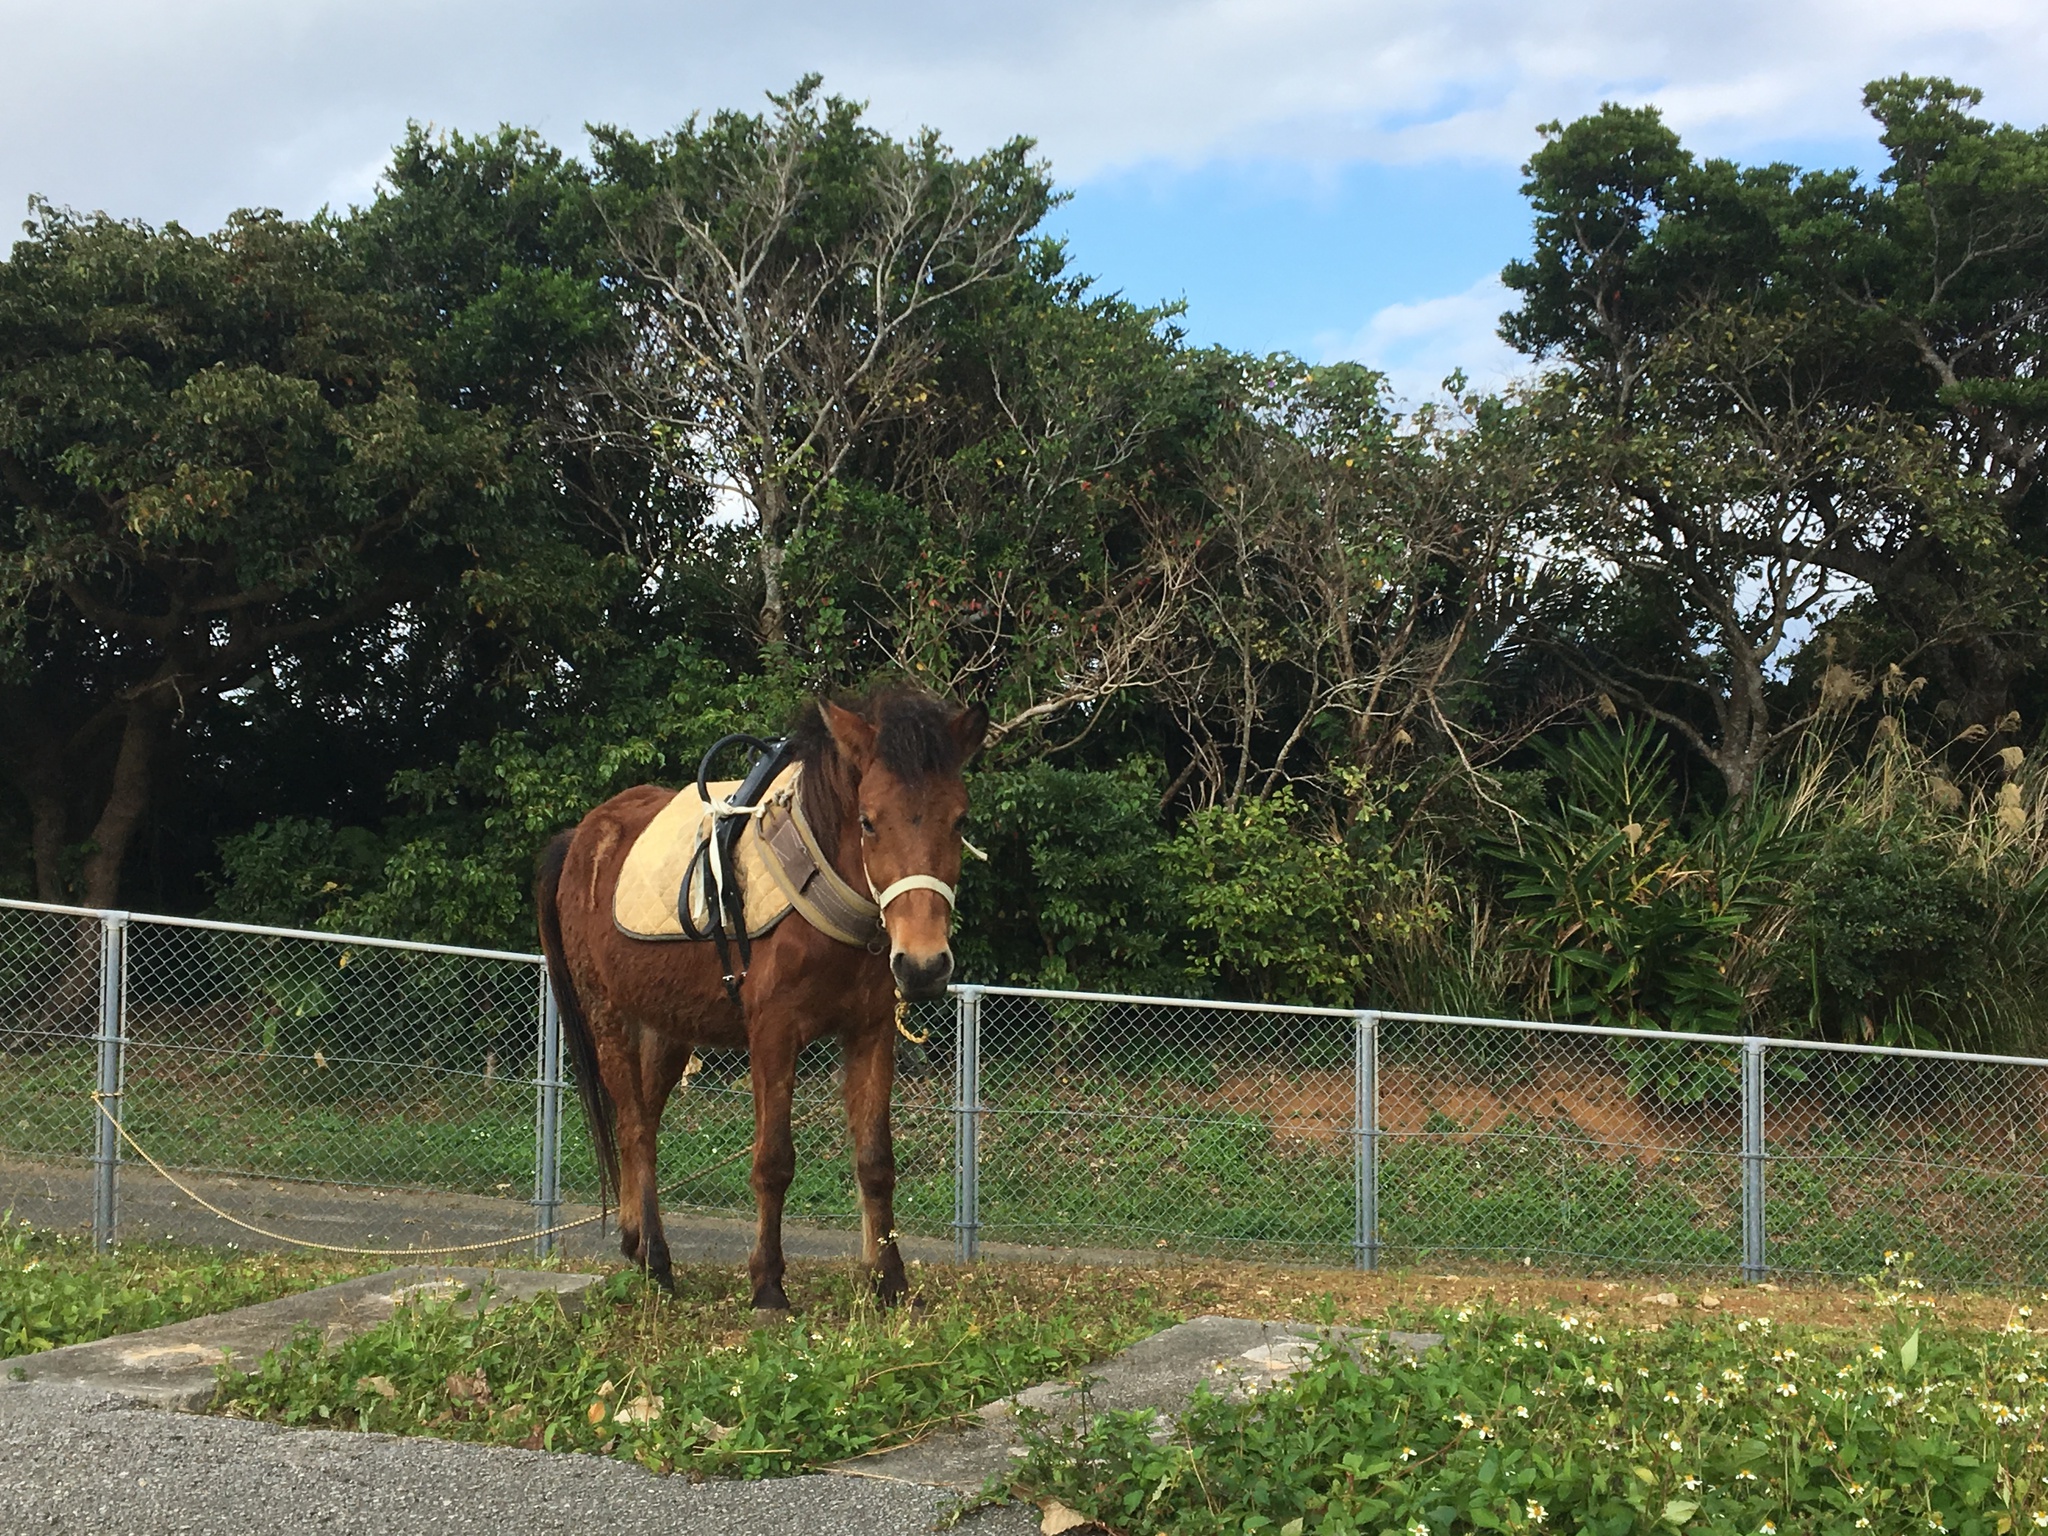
pixel 727 861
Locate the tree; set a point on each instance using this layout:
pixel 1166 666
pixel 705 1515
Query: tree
pixel 1911 305
pixel 1707 507
pixel 215 454
pixel 788 273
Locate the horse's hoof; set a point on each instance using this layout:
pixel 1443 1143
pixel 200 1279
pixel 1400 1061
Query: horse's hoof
pixel 771 1317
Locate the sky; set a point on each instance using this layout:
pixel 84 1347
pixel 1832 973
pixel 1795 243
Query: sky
pixel 1335 178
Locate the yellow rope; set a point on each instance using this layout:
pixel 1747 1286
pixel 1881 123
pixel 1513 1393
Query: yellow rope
pixel 903 1029
pixel 99 1103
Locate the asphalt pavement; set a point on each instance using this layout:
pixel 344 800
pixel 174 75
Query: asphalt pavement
pixel 74 1460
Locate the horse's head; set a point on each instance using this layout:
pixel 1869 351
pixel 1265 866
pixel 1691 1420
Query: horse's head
pixel 903 754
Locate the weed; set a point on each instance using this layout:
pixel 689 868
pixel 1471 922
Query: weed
pixel 687 1384
pixel 1523 1423
pixel 55 1290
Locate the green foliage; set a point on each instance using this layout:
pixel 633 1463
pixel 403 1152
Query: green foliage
pixel 1634 923
pixel 1287 913
pixel 294 873
pixel 1074 893
pixel 1898 921
pixel 1522 1423
pixel 687 1384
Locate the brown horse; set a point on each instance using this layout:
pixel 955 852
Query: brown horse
pixel 882 789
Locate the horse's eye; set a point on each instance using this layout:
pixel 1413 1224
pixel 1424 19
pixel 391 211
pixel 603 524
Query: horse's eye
pixel 867 826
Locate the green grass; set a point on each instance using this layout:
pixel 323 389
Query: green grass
pixel 1543 1422
pixel 688 1384
pixel 55 1290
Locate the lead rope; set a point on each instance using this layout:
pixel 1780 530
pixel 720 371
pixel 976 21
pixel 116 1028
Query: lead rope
pixel 99 1103
pixel 902 1025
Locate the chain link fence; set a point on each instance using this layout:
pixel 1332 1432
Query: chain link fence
pixel 1055 1120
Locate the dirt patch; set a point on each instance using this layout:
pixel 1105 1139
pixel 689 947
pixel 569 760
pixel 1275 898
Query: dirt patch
pixel 1250 1290
pixel 1596 1108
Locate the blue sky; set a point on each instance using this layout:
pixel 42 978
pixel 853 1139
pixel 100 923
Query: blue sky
pixel 1333 177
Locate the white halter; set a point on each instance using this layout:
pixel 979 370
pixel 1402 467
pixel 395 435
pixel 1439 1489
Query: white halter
pixel 920 882
pixel 911 883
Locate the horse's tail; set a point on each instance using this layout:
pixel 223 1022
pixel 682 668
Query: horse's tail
pixel 599 1112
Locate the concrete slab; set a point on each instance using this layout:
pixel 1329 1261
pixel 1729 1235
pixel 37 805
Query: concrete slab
pixel 177 1366
pixel 1231 1355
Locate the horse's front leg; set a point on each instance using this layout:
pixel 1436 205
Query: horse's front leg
pixel 772 1062
pixel 870 1058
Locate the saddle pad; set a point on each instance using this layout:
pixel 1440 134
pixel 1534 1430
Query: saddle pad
pixel 644 905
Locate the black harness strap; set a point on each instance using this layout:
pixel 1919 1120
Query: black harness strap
pixel 725 903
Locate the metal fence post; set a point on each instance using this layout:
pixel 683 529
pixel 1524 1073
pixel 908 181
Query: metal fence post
pixel 1752 1159
pixel 547 1121
pixel 967 1124
pixel 112 1038
pixel 1365 1122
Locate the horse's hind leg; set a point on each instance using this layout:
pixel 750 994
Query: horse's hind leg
pixel 870 1060
pixel 641 1239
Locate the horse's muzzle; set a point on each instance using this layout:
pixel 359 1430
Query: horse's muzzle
pixel 918 979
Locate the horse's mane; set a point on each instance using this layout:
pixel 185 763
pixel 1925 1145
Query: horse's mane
pixel 913 740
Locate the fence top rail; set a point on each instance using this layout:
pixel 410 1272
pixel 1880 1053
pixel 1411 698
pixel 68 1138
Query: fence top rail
pixel 1299 1011
pixel 1771 1041
pixel 215 925
pixel 1548 1026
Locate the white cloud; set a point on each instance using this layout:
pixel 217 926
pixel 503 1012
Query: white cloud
pixel 196 107
pixel 1417 345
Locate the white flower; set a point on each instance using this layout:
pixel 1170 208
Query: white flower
pixel 1863 1522
pixel 1674 1443
pixel 1464 1420
pixel 735 1390
pixel 1521 1410
pixel 1745 1476
pixel 1418 1529
pixel 2041 1518
pixel 1787 1389
pixel 1769 1528
pixel 1407 1453
pixel 1691 1485
pixel 1520 1341
pixel 1934 1522
pixel 789 1375
pixel 1537 1513
pixel 1672 1397
pixel 1877 1351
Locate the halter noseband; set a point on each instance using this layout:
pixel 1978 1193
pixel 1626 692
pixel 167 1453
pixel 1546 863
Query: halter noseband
pixel 909 883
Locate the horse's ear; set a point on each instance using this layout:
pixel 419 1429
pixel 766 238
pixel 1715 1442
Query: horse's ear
pixel 970 729
pixel 854 737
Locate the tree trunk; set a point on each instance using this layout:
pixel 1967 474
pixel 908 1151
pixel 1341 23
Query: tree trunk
pixel 772 506
pixel 127 803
